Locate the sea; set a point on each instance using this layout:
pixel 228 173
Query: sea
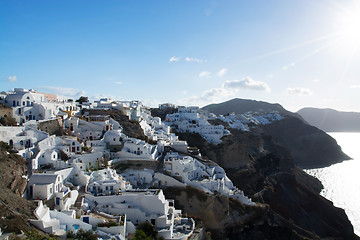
pixel 342 181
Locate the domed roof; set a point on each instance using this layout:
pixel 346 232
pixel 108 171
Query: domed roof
pixel 109 135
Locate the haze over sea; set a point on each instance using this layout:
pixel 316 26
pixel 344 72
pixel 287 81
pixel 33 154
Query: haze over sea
pixel 342 181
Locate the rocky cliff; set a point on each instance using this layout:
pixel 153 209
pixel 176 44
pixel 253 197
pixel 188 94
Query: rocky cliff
pixel 14 210
pixel 267 173
pixel 309 146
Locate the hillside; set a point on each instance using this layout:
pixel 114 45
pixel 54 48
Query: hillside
pixel 330 120
pixel 241 106
pixel 14 210
pixel 265 171
pixel 310 147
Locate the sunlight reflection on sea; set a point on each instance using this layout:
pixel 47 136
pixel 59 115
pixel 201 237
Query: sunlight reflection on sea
pixel 342 181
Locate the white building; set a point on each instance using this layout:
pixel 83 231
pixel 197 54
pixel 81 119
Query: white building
pixel 87 160
pixel 141 206
pixel 207 178
pixel 187 119
pixel 166 105
pixel 135 149
pixel 30 105
pixel 106 182
pixel 139 178
pixel 44 186
pixel 57 223
pixel 247 120
pixel 155 129
pixel 50 149
pixel 100 221
pixel 114 138
pixel 21 137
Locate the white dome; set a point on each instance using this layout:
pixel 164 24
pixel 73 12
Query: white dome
pixel 111 134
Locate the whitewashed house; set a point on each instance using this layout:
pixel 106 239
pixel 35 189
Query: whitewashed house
pixel 166 105
pixel 135 149
pixel 106 182
pixel 207 178
pixel 114 138
pixel 187 119
pixel 139 178
pixel 49 156
pixel 87 160
pixel 21 137
pixel 57 223
pixel 30 105
pixel 44 186
pixel 100 221
pixel 146 205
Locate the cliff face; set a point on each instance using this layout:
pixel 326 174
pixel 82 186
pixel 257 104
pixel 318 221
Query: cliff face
pixel 14 210
pixel 310 147
pixel 296 203
pixel 227 218
pixel 265 170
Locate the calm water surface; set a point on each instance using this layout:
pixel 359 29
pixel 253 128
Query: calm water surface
pixel 342 181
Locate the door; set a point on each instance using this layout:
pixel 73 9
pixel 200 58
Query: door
pixel 86 219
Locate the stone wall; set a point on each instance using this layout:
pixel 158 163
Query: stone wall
pixel 52 126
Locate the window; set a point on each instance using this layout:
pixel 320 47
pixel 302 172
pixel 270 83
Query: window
pixel 106 188
pixel 111 188
pixel 50 190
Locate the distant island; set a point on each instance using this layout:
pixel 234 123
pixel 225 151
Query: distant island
pixel 330 120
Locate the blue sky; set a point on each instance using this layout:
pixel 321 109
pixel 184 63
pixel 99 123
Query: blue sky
pixel 297 53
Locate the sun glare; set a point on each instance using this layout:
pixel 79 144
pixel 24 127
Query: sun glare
pixel 350 27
